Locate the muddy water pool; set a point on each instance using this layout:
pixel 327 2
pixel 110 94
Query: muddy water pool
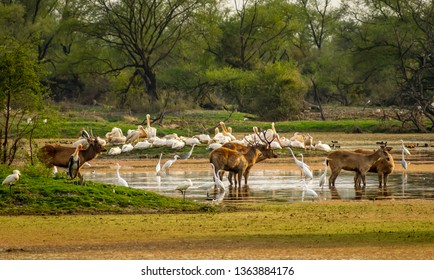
pixel 275 185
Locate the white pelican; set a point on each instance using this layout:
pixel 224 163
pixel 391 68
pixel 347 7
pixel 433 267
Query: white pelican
pixel 115 151
pixel 127 148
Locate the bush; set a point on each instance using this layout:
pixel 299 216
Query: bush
pixel 278 94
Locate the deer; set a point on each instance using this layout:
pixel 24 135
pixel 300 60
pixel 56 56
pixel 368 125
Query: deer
pixel 58 155
pixel 382 167
pixel 352 161
pixel 239 159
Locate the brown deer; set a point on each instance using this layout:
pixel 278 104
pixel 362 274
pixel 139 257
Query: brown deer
pixel 382 167
pixel 236 158
pixel 57 155
pixel 352 161
pixel 266 152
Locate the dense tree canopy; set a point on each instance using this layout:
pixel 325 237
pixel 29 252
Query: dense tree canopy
pixel 267 57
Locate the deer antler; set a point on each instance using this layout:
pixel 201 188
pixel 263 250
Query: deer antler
pixel 263 137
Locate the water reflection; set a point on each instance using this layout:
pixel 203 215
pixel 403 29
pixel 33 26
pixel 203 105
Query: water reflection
pixel 275 186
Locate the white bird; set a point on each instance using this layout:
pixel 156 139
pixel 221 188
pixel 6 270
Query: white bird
pixel 404 149
pixel 158 166
pixel 403 162
pixel 297 162
pixel 178 144
pixel 322 147
pixel 323 178
pixel 127 148
pixel 143 145
pixel 54 173
pixel 183 187
pixel 306 169
pixel 150 131
pixel 120 181
pixel 115 151
pixel 187 155
pixel 214 146
pixel 168 164
pixel 218 182
pixel 12 179
pixel 307 191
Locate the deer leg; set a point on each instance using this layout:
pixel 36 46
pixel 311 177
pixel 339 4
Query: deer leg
pixel 246 175
pixel 240 178
pixel 380 180
pixel 385 176
pixel 231 174
pixel 363 175
pixel 332 179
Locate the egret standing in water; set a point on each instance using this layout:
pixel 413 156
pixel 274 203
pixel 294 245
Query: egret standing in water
pixel 218 182
pixel 323 178
pixel 307 191
pixel 168 164
pixel 183 188
pixel 306 169
pixel 403 161
pixel 120 181
pixel 404 149
pixel 158 166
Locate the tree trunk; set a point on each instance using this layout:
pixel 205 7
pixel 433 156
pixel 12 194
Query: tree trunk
pixel 5 142
pixel 318 99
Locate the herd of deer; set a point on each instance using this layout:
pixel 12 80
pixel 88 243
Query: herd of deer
pixel 236 158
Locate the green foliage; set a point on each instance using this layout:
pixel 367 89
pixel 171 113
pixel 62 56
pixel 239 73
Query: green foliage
pixel 278 94
pixel 38 193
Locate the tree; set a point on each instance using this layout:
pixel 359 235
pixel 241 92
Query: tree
pixel 398 37
pixel 21 96
pixel 144 32
pixel 320 18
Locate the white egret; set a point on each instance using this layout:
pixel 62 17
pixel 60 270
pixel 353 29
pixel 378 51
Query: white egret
pixel 12 179
pixel 404 149
pixel 169 163
pixel 218 182
pixel 403 161
pixel 307 192
pixel 158 166
pixel 183 187
pixel 297 162
pixel 323 178
pixel 120 181
pixel 306 169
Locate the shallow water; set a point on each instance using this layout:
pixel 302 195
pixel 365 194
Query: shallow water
pixel 275 186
